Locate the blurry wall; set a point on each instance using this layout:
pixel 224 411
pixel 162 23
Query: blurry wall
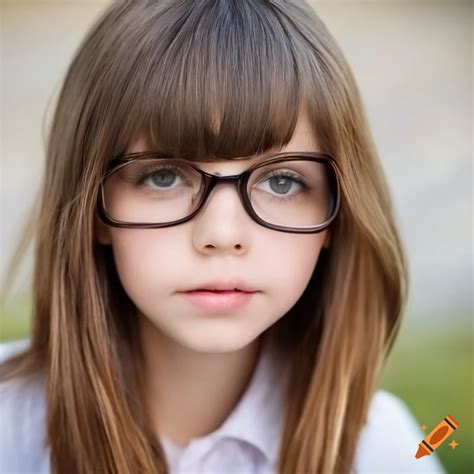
pixel 413 62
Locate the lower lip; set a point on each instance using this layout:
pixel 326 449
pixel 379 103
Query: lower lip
pixel 221 301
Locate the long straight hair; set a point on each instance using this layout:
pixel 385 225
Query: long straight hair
pixel 221 79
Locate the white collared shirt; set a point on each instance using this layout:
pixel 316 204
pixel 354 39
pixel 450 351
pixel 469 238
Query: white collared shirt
pixel 246 442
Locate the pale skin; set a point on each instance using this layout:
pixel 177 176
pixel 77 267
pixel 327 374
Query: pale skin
pixel 199 365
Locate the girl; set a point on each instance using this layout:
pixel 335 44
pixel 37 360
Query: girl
pixel 218 275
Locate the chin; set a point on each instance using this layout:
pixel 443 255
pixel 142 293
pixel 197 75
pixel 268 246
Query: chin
pixel 216 342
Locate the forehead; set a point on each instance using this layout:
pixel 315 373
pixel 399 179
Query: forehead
pixel 303 139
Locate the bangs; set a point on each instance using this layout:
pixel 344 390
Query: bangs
pixel 210 80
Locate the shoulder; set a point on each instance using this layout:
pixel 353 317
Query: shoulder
pixel 10 348
pixel 22 417
pixel 390 439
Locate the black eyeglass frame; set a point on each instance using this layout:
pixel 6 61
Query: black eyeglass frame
pixel 211 180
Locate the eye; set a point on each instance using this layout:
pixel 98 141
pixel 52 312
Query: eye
pixel 282 181
pixel 163 177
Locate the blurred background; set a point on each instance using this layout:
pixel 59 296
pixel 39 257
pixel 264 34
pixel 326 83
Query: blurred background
pixel 413 62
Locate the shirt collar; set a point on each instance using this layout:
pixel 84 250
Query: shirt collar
pixel 258 416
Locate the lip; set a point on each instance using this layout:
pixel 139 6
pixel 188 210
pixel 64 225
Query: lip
pixel 218 301
pixel 222 285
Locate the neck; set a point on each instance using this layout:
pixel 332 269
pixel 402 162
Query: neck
pixel 188 393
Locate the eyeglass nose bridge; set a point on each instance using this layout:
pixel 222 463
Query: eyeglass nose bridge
pixel 213 180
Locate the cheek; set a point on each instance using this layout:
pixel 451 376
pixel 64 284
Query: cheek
pixel 141 263
pixel 290 263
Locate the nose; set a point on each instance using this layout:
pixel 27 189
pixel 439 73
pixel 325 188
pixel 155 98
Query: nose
pixel 222 221
pixel 224 203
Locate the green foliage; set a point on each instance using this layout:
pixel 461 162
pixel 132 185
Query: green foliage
pixel 15 321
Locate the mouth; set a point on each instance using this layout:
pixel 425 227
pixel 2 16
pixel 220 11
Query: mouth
pixel 219 286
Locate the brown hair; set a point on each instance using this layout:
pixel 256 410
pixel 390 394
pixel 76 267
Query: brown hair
pixel 220 79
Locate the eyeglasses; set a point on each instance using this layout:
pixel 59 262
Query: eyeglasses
pixel 296 192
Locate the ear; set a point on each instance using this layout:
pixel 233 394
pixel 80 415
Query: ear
pixel 101 232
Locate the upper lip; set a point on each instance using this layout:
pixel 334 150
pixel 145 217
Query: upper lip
pixel 224 285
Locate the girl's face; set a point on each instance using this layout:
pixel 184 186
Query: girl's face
pixel 221 242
